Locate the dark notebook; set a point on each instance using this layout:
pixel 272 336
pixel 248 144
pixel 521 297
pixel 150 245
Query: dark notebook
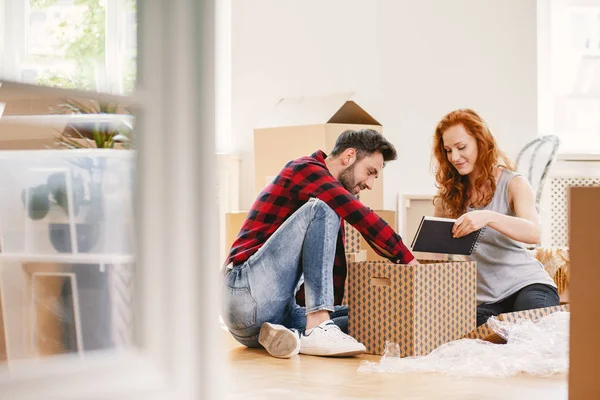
pixel 435 236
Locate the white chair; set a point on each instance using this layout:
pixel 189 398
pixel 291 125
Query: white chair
pixel 534 162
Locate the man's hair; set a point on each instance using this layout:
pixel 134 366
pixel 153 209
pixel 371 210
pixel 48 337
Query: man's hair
pixel 365 142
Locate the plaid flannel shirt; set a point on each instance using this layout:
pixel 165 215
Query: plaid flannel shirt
pixel 297 182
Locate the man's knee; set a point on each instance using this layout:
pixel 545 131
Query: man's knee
pixel 322 209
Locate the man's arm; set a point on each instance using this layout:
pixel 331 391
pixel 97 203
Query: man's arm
pixel 312 180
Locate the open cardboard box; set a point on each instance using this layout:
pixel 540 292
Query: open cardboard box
pixel 419 307
pixel 485 332
pixel 299 127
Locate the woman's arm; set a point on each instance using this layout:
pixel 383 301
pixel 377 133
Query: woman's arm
pixel 523 227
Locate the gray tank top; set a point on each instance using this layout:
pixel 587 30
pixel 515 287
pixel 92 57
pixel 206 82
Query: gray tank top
pixel 504 266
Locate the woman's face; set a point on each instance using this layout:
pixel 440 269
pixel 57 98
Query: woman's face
pixel 461 149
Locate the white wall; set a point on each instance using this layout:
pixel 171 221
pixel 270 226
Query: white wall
pixel 409 62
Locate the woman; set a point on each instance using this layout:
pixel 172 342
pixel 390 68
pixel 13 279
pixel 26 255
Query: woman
pixel 478 186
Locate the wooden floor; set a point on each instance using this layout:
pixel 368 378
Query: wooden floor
pixel 253 374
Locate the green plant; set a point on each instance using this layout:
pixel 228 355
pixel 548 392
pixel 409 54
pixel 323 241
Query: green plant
pixel 63 81
pixel 84 42
pixel 41 3
pixel 100 134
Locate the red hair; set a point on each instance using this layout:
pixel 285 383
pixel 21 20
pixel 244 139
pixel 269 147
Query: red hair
pixel 453 188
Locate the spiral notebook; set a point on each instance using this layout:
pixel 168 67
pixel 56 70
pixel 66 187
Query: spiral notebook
pixel 435 236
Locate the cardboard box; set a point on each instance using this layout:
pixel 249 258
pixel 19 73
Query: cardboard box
pixel 350 258
pixel 485 332
pixel 23 133
pixel 34 318
pixel 556 262
pixel 355 241
pixel 299 127
pixel 28 100
pixel 420 307
pixel 584 237
pixel 50 320
pixel 389 217
pixel 361 255
pixel 19 130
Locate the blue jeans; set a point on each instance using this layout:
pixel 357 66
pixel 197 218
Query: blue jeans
pixel 263 288
pixel 537 295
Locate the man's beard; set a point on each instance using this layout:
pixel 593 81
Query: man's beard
pixel 347 179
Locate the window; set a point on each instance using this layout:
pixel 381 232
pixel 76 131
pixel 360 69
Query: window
pixel 572 63
pixel 78 44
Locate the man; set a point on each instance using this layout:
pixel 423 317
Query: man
pixel 293 230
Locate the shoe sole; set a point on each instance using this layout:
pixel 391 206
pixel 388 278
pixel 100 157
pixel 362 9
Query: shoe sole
pixel 279 341
pixel 346 353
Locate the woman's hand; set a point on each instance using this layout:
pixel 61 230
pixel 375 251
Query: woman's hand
pixel 470 222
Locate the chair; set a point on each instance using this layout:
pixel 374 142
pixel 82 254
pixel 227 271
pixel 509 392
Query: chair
pixel 534 162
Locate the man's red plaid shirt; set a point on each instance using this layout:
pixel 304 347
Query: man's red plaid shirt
pixel 297 182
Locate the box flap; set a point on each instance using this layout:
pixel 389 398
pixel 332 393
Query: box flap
pixel 485 332
pixel 335 109
pixel 11 91
pixel 24 99
pixel 352 113
pixel 533 314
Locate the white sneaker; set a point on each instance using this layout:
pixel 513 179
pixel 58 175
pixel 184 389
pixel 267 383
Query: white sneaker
pixel 279 341
pixel 327 339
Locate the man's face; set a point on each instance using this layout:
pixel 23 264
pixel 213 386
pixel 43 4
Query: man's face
pixel 361 174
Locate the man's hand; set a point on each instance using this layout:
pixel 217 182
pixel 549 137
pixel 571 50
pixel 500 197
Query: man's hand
pixel 470 222
pixel 414 262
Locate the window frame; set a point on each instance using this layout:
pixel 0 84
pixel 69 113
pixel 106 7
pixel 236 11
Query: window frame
pixel 176 302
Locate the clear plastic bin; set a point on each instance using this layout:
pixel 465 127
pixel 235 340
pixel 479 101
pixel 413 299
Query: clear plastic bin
pixel 67 201
pixel 52 308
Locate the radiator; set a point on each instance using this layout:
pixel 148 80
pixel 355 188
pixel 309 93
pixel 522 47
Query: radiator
pixel 554 207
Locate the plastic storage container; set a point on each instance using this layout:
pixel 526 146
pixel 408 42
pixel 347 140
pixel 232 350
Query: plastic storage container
pixel 57 308
pixel 67 202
